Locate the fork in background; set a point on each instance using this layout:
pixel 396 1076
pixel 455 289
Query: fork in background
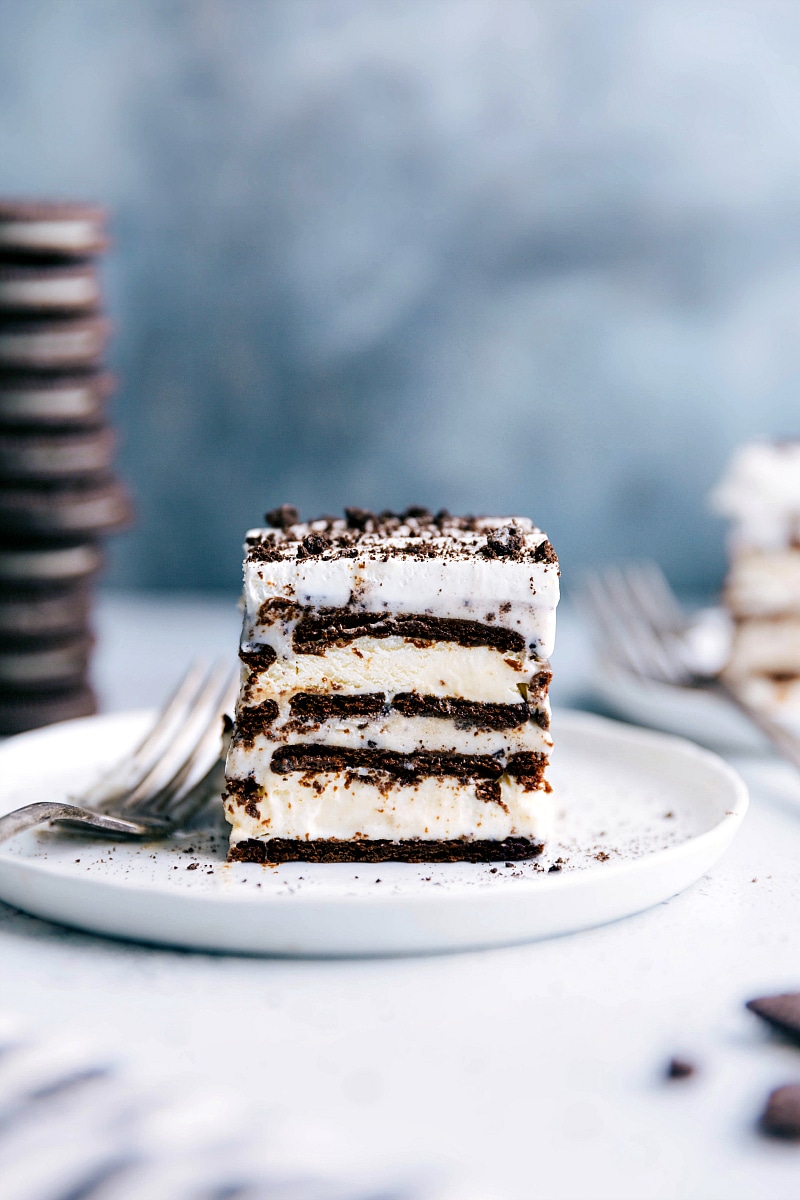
pixel 640 625
pixel 165 780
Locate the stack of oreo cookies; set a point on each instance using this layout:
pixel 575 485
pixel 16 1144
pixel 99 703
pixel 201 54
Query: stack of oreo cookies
pixel 58 495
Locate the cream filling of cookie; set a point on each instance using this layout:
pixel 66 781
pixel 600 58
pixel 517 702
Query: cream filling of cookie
pixel 49 293
pixel 42 235
pixel 337 805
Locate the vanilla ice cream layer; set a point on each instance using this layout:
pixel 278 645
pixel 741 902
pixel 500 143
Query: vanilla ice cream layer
pixel 394 665
pixel 766 647
pixel 520 596
pixel 392 732
pixel 338 806
pixel 763 583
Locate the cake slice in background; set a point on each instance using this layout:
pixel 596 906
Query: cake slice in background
pixel 393 701
pixel 760 495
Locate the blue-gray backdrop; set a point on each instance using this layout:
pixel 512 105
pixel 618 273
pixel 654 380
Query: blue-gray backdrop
pixel 486 254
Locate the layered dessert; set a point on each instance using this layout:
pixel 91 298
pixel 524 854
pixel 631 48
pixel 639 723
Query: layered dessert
pixel 394 694
pixel 760 495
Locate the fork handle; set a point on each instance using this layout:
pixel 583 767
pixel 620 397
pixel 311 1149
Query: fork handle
pixel 781 739
pixel 32 815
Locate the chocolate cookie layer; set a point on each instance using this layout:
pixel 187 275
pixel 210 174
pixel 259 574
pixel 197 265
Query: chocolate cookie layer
pixel 279 850
pixel 46 400
pixel 53 345
pixel 314 759
pixel 48 564
pixel 44 290
pixel 39 456
pixel 34 614
pixel 340 626
pixel 36 229
pixel 45 666
pixel 72 510
pixel 19 713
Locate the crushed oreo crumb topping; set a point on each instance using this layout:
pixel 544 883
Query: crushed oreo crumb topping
pixel 282 517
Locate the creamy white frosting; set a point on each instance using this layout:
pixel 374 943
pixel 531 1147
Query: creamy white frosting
pixel 760 494
pixel 336 806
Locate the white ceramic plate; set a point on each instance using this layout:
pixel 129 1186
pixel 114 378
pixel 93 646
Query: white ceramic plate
pixel 641 817
pixel 687 712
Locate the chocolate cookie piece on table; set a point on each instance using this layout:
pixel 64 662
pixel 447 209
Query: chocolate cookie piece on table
pixel 48 456
pixel 48 564
pixel 43 290
pixel 75 399
pixel 74 510
pixel 53 345
pixel 21 713
pixel 51 229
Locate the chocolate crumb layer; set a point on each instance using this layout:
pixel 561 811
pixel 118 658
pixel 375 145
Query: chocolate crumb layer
pixel 340 626
pixel 258 658
pixel 312 706
pixel 315 759
pixel 465 714
pixel 253 720
pixel 279 850
pixel 415 533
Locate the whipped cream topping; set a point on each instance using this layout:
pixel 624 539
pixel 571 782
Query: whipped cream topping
pixel 760 494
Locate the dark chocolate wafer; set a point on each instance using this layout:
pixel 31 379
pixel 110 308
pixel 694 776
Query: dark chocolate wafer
pixel 33 613
pixel 44 665
pixel 48 564
pixel 42 456
pixel 71 511
pixel 53 345
pixel 33 400
pixel 21 713
pixel 51 229
pixel 42 290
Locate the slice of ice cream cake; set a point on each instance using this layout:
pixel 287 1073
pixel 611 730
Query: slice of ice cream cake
pixel 393 702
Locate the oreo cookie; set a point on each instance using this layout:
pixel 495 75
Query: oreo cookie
pixel 44 290
pixel 75 510
pixel 47 564
pixel 35 457
pixel 21 713
pixel 30 399
pixel 29 614
pixel 44 664
pixel 50 229
pixel 53 345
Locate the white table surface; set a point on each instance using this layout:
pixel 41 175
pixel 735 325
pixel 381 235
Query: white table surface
pixel 533 1071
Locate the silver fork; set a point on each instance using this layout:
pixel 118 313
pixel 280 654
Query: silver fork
pixel 642 626
pixel 165 780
